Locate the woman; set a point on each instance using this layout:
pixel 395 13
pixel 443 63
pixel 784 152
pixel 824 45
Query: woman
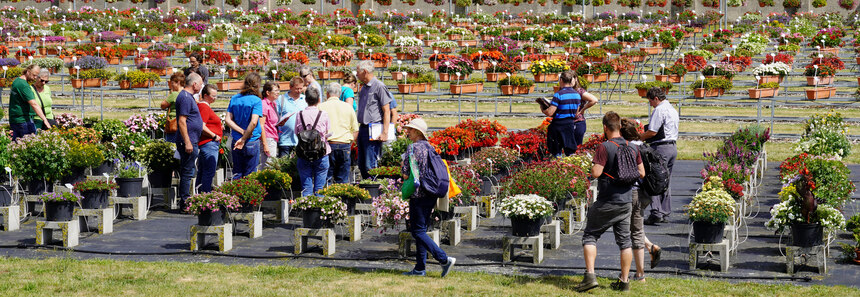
pixel 421 202
pixel 43 94
pixel 194 61
pixel 176 83
pixel 210 140
pixel 579 120
pixel 347 90
pixel 269 121
pixel 243 118
pixel 313 173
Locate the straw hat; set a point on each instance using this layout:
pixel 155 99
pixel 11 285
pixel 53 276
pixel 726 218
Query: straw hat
pixel 420 125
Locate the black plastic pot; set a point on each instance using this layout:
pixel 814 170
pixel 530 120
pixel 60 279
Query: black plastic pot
pixel 526 227
pixel 94 199
pixel 373 189
pixel 160 179
pixel 74 175
pixel 350 204
pixel 706 232
pixel 274 193
pixel 59 211
pixel 311 219
pixel 446 215
pixel 105 167
pixel 807 235
pixel 487 186
pixel 211 218
pixel 37 187
pixel 129 187
pixel 5 196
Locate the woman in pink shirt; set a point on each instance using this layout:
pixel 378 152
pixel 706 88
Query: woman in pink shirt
pixel 269 122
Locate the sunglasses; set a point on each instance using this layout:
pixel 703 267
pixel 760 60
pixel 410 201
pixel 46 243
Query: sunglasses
pixel 44 81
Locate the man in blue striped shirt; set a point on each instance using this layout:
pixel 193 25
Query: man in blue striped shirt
pixel 563 110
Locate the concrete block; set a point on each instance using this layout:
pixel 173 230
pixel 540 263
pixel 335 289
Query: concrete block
pixel 451 230
pixel 11 217
pixel 469 215
pixel 224 232
pixel 104 217
pixel 254 220
pixel 793 253
pixel 139 206
pixel 552 234
pixel 353 224
pixel 281 207
pixel 405 240
pixel 488 206
pixel 327 236
pixel 533 242
pixel 71 231
pixel 721 247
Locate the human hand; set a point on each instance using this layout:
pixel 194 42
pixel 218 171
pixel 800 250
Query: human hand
pixel 239 144
pixel 188 147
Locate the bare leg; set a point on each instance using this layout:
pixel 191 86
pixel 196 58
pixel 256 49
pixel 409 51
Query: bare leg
pixel 626 259
pixel 590 254
pixel 639 257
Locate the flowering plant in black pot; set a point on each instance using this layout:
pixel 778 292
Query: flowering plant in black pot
pixel 320 211
pixel 249 191
pixel 94 192
pixel 59 206
pixel 211 208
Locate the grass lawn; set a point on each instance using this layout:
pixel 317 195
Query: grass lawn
pixel 66 277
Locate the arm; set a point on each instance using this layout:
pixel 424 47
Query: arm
pixel 549 111
pixel 183 129
pixel 597 170
pixel 350 100
pixel 165 105
pixel 647 135
pixel 248 132
pixel 39 112
pixel 590 101
pixel 386 119
pixel 263 136
pixel 233 126
pixel 641 170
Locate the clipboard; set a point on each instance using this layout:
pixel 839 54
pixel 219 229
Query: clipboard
pixel 543 102
pixel 375 130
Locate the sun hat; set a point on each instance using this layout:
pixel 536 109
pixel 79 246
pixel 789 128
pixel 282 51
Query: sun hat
pixel 420 125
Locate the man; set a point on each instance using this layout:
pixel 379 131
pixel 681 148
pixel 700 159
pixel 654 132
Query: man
pixel 194 66
pixel 190 125
pixel 344 129
pixel 373 108
pixel 21 101
pixel 292 101
pixel 310 82
pixel 661 133
pixel 613 206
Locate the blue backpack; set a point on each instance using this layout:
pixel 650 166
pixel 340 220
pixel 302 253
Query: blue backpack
pixel 437 181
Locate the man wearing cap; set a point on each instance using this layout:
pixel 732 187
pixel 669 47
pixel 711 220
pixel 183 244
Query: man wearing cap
pixel 421 202
pixel 373 108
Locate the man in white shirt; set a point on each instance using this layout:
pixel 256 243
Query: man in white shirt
pixel 662 133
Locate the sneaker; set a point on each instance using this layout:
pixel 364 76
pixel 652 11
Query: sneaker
pixel 447 266
pixel 620 286
pixel 655 255
pixel 652 221
pixel 664 219
pixel 589 281
pixel 414 272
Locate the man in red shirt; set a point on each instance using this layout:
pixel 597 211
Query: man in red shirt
pixel 210 140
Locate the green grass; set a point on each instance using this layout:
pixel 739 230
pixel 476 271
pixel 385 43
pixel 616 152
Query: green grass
pixel 67 277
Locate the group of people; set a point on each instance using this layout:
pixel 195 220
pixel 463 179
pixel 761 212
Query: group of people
pixel 618 205
pixel 30 102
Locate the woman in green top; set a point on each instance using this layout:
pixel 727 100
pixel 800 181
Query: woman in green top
pixel 43 98
pixel 176 83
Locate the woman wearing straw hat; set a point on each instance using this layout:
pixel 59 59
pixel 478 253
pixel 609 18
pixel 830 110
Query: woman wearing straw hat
pixel 421 202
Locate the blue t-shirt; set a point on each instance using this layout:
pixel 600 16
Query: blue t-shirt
pixel 186 106
pixel 347 92
pixel 243 107
pixel 287 105
pixel 567 102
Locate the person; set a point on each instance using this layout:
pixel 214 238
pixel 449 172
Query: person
pixel 175 84
pixel 313 174
pixel 194 66
pixel 422 202
pixel 344 129
pixel 21 101
pixel 347 91
pixel 629 130
pixel 210 139
pixel 661 134
pixel 243 117
pixel 373 108
pixel 43 94
pixel 310 82
pixel 579 125
pixel 291 102
pixel 190 127
pixel 270 118
pixel 612 207
pixel 565 107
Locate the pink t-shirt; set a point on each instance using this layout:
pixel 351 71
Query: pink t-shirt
pixel 270 111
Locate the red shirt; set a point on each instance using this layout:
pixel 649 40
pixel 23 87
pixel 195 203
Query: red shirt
pixel 211 120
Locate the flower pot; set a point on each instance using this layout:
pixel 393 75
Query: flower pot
pixel 124 85
pixel 37 187
pixel 822 80
pixel 830 50
pixel 806 235
pixel 546 77
pixel 763 93
pixel 94 199
pixel 129 187
pixel 820 93
pixel 494 76
pixel 373 189
pixel 706 232
pixel 449 77
pixel 211 217
pixel 274 193
pixel 642 92
pixel 702 93
pixel 487 186
pixel 525 227
pixel 379 64
pixel 524 65
pixel 652 50
pixel 466 88
pixel 77 83
pixel 467 42
pixel 5 196
pixel 350 204
pixel 105 167
pixel 594 59
pixel 636 59
pixel 769 79
pixel 160 179
pixel 311 219
pixel 74 175
pixel 59 211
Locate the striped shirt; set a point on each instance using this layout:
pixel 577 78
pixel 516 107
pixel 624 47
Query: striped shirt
pixel 567 102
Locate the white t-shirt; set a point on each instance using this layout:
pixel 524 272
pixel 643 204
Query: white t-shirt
pixel 664 116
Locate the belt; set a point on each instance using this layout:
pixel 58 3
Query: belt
pixel 663 142
pixel 335 142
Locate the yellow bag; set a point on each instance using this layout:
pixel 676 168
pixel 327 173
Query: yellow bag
pixel 453 190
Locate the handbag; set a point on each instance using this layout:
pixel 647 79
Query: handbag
pixel 411 184
pixel 170 126
pixel 453 190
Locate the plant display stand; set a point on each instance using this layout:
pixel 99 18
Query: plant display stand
pixel 469 214
pixel 224 232
pixel 11 217
pixel 353 225
pixel 104 216
pixel 282 209
pixel 535 243
pixel 71 231
pixel 792 253
pixel 26 201
pixel 138 205
pixel 721 247
pixel 552 234
pixel 326 235
pixel 405 240
pixel 169 194
pixel 488 206
pixel 451 230
pixel 255 222
pixel 571 220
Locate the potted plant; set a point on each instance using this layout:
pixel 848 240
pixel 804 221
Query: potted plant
pixel 250 192
pixel 136 79
pixel 459 67
pixel 472 85
pixel 421 84
pixel 381 172
pixel 643 88
pixel 853 226
pixel 720 70
pixel 527 213
pixel 773 72
pixel 129 178
pixel 348 194
pixel 819 75
pixel 444 46
pixel 371 186
pixel 548 70
pixel 158 66
pixel 59 206
pixel 320 211
pixel 516 84
pixel 768 89
pixel 275 183
pixel 801 211
pixel 80 157
pixel 672 74
pixel 94 193
pixel 158 157
pixel 594 54
pixel 710 87
pixel 39 159
pixel 211 208
pixel 710 211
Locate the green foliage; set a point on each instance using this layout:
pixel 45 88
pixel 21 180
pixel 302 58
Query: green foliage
pixel 769 85
pixel 158 155
pixel 94 185
pixel 517 81
pixel 137 77
pixel 83 155
pixel 712 83
pixel 109 129
pixel 40 156
pixel 391 154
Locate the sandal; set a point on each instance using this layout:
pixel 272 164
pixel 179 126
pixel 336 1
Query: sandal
pixel 637 278
pixel 655 255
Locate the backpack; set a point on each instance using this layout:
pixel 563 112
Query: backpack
pixel 311 146
pixel 656 180
pixel 438 180
pixel 627 171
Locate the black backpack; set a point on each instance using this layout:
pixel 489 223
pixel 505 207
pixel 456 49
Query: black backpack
pixel 311 146
pixel 627 171
pixel 656 180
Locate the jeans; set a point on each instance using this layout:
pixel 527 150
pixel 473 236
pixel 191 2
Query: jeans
pixel 339 163
pixel 187 167
pixel 419 220
pixel 285 150
pixel 368 151
pixel 578 132
pixel 207 163
pixel 661 205
pixel 312 174
pixel 170 137
pixel 245 160
pixel 21 129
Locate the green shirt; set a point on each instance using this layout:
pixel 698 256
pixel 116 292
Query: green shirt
pixel 45 95
pixel 171 98
pixel 19 106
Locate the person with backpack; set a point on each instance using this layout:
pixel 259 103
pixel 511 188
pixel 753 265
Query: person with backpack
pixel 313 148
pixel 617 166
pixel 424 168
pixel 661 134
